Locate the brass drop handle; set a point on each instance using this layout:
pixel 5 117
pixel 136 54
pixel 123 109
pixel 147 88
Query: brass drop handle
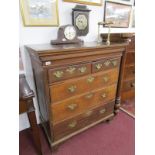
pixel 88 113
pixel 104 95
pixel 106 78
pixel 58 74
pixel 90 79
pixel 83 69
pixel 72 106
pixel 102 111
pixel 98 66
pixel 71 70
pixel 90 95
pixel 72 88
pixel 114 62
pixel 72 124
pixel 132 84
pixel 107 63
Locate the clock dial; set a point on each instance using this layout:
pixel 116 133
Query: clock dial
pixel 81 22
pixel 70 32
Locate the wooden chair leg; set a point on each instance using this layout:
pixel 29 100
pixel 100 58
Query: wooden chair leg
pixel 35 131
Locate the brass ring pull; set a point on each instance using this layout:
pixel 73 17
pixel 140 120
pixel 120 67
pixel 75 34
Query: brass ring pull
pixel 58 74
pixel 88 113
pixel 98 66
pixel 102 111
pixel 104 95
pixel 90 79
pixel 72 89
pixel 83 69
pixel 71 70
pixel 90 95
pixel 72 124
pixel 106 78
pixel 72 106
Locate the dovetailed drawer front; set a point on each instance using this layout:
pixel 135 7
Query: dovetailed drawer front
pixel 105 64
pixel 130 58
pixel 82 120
pixel 129 72
pixel 70 88
pixel 128 85
pixel 71 107
pixel 68 72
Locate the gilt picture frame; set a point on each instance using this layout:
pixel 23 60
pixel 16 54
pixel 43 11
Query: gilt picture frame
pixel 87 2
pixel 39 12
pixel 117 13
pixel 128 2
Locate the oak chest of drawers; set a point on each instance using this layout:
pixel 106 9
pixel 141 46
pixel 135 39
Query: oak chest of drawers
pixel 78 86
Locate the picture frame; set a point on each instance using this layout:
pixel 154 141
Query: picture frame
pixel 39 12
pixel 128 2
pixel 117 13
pixel 87 2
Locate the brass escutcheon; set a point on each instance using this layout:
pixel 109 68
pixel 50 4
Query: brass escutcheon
pixel 83 69
pixel 114 62
pixel 104 95
pixel 72 124
pixel 58 74
pixel 88 113
pixel 72 88
pixel 90 79
pixel 72 106
pixel 71 70
pixel 106 78
pixel 107 63
pixel 98 66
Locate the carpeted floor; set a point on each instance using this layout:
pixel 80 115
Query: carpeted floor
pixel 114 138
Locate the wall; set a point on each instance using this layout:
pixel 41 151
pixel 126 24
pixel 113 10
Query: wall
pixel 37 35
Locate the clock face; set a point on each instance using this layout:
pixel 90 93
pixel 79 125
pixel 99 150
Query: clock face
pixel 70 32
pixel 81 22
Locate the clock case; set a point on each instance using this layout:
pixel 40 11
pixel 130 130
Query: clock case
pixel 61 39
pixel 80 10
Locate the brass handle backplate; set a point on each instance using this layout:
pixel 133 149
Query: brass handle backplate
pixel 107 63
pixel 98 66
pixel 58 74
pixel 71 70
pixel 114 62
pixel 72 106
pixel 90 79
pixel 88 113
pixel 102 111
pixel 83 69
pixel 89 96
pixel 104 95
pixel 72 124
pixel 72 89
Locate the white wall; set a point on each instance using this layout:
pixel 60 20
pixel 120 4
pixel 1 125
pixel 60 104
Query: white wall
pixel 37 35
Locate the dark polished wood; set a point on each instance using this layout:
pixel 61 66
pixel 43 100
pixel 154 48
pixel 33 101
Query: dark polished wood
pixel 26 106
pixel 74 82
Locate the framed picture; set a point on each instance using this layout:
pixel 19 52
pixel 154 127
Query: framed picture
pixel 129 2
pixel 39 12
pixel 89 2
pixel 117 13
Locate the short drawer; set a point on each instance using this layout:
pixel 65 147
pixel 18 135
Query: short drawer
pixel 130 58
pixel 105 64
pixel 70 88
pixel 129 72
pixel 71 107
pixel 80 121
pixel 68 72
pixel 128 85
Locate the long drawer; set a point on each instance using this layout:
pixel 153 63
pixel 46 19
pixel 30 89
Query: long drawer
pixel 70 88
pixel 71 125
pixel 71 107
pixel 68 72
